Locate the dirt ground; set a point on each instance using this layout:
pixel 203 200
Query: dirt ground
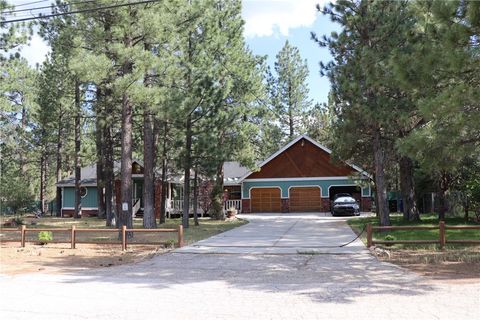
pixel 457 266
pixel 449 265
pixel 59 258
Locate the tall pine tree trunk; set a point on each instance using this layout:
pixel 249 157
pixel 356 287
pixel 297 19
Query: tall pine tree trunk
pixel 22 156
pixel 78 200
pixel 407 187
pixel 99 144
pixel 187 167
pixel 125 217
pixel 195 197
pixel 380 184
pixel 109 176
pixel 217 195
pixel 164 175
pixel 43 182
pixel 149 171
pixel 290 113
pixel 444 185
pixel 58 169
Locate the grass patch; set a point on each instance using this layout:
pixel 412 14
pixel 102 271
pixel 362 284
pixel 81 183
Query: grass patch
pixel 207 228
pixel 357 224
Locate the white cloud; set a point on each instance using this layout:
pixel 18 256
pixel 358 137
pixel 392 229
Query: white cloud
pixel 267 17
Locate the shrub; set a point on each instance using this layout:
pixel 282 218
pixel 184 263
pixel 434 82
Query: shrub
pixel 170 243
pixel 45 236
pixel 389 237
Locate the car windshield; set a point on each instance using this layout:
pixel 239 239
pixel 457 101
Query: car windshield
pixel 345 200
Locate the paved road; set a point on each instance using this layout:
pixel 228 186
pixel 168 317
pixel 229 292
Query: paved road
pixel 183 285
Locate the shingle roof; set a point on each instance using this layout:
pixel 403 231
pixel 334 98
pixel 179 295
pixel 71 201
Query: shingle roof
pixel 233 171
pixel 88 175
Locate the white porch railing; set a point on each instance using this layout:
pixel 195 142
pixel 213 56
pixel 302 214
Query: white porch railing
pixel 136 206
pixel 176 206
pixel 237 204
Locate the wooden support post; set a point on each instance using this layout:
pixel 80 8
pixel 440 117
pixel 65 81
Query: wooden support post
pixel 180 236
pixel 22 236
pixel 369 235
pixel 72 238
pixel 442 234
pixel 124 238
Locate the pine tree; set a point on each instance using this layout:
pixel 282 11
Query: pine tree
pixel 443 62
pixel 364 91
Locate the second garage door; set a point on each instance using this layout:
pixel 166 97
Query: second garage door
pixel 305 199
pixel 266 200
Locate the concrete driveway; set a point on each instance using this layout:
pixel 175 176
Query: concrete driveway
pixel 261 283
pixel 283 234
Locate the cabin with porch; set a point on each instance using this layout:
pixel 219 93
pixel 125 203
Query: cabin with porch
pixel 88 192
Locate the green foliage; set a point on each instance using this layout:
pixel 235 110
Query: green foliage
pixel 444 61
pixel 389 237
pixel 45 236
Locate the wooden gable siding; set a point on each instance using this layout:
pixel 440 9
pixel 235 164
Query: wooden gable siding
pixel 301 161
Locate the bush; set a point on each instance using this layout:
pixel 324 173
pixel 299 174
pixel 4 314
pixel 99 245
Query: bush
pixel 45 236
pixel 389 237
pixel 170 243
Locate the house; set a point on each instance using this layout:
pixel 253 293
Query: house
pixel 88 191
pixel 299 177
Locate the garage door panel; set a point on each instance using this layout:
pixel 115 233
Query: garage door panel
pixel 265 200
pixel 305 199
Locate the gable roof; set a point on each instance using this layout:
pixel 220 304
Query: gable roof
pixel 294 141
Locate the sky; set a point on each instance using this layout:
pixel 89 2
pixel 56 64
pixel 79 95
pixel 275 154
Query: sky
pixel 268 24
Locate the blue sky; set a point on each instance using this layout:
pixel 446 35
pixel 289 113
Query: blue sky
pixel 300 37
pixel 268 24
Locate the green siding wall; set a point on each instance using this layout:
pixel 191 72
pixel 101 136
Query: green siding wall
pixel 284 185
pixel 89 201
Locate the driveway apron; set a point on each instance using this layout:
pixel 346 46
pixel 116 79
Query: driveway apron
pixel 284 234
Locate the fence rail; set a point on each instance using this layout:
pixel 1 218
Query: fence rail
pixel 74 232
pixel 442 236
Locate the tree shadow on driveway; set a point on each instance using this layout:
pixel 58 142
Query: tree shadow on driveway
pixel 323 278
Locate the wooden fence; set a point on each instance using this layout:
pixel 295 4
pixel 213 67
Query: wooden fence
pixel 442 237
pixel 75 231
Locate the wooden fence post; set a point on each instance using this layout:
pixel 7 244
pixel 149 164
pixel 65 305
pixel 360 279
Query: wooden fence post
pixel 124 238
pixel 22 236
pixel 73 238
pixel 369 235
pixel 180 236
pixel 442 234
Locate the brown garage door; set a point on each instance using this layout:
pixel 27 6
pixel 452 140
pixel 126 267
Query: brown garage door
pixel 265 200
pixel 305 199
